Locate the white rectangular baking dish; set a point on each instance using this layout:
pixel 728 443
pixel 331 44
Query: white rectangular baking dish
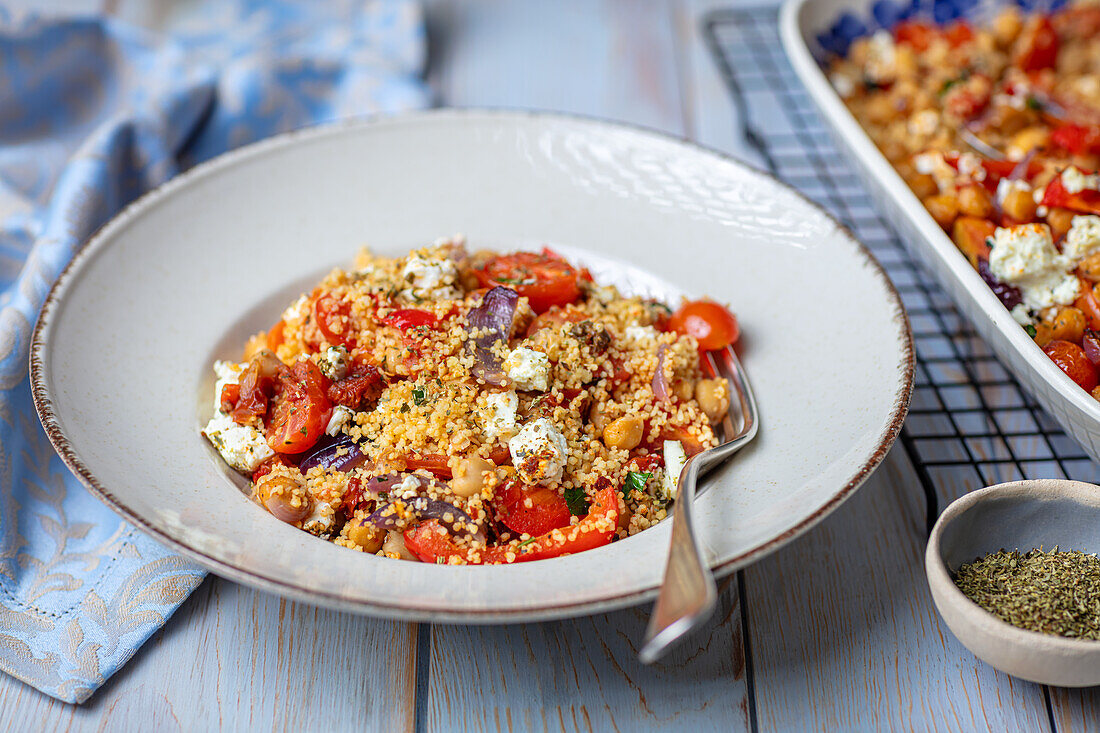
pixel 800 23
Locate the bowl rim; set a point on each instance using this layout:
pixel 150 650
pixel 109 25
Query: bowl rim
pixel 48 416
pixel 833 109
pixel 939 577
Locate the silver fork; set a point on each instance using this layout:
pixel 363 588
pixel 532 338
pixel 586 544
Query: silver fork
pixel 687 596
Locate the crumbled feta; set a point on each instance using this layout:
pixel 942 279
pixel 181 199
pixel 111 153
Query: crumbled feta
pixel 539 452
pixel 243 447
pixel 1075 181
pixel 1025 256
pixel 320 519
pixel 881 57
pixel 924 123
pixel 970 165
pixel 528 369
pixel 843 85
pixel 341 416
pixel 227 373
pixel 333 362
pixel 502 420
pixel 1022 315
pixel 1005 187
pixel 1083 237
pixel 430 277
pixel 297 310
pixel 641 334
pixel 933 164
pixel 675 458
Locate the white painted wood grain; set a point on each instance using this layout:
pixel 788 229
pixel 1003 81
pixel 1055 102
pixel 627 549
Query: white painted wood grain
pixel 232 658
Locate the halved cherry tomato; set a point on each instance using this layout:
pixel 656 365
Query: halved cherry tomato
pixel 958 33
pixel 407 318
pixel 555 317
pixel 363 385
pixel 334 320
pixel 1086 201
pixel 265 467
pixel 1072 360
pixel 302 410
pixel 531 509
pixel 1077 139
pixel 712 325
pixel 254 390
pixel 914 33
pixel 545 280
pixel 231 394
pixel 1037 45
pixel 431 542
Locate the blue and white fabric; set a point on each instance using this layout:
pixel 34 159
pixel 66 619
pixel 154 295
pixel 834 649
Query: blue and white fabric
pixel 93 113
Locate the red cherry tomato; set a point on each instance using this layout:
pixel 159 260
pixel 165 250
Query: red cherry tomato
pixel 334 320
pixel 302 410
pixel 532 509
pixel 712 325
pixel 1077 139
pixel 1037 45
pixel 1071 359
pixel 958 33
pixel 407 318
pixel 914 33
pixel 545 280
pixel 1085 202
pixel 276 336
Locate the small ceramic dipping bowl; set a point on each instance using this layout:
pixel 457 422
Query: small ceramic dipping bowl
pixel 1019 515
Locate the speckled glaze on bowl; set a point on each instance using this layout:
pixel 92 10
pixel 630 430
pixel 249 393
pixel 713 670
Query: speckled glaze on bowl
pixel 1018 515
pixel 121 356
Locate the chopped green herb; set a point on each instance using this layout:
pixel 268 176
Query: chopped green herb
pixel 577 502
pixel 303 431
pixel 1030 330
pixel 514 281
pixel 527 542
pixel 635 481
pixel 1034 103
pixel 420 396
pixel 405 408
pixel 948 84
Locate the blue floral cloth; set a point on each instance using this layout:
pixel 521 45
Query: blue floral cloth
pixel 92 113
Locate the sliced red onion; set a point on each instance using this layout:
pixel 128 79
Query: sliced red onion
pixel 450 516
pixel 326 455
pixel 493 322
pixel 1091 344
pixel 1009 294
pixel 1020 171
pixel 660 382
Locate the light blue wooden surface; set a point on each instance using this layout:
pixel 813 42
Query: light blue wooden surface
pixel 833 632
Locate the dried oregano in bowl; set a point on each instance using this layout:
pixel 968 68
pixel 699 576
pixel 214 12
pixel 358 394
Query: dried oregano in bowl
pixel 1053 592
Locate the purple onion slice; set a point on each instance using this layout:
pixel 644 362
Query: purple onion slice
pixel 492 320
pixel 660 381
pixel 350 456
pixel 1009 294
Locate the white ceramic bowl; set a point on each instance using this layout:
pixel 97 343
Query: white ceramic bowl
pixel 1019 515
pixel 1075 410
pixel 122 352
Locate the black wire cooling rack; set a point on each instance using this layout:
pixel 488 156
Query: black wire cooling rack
pixel 970 423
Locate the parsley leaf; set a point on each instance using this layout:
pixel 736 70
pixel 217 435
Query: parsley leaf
pixel 1030 330
pixel 1034 103
pixel 420 396
pixel 576 501
pixel 635 481
pixel 526 542
pixel 947 85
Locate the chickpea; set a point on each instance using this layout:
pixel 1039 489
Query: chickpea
pixel 623 433
pixel 467 472
pixel 1090 267
pixel 1060 221
pixel 284 497
pixel 1006 26
pixel 974 200
pixel 923 185
pixel 367 536
pixel 1067 324
pixel 943 207
pixel 1020 205
pixel 683 389
pixel 713 396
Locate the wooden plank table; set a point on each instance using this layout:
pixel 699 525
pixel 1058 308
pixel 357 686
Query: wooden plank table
pixel 834 631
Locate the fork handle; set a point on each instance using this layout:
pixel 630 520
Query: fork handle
pixel 688 594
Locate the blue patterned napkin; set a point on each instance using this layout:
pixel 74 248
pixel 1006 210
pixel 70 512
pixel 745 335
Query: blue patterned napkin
pixel 93 113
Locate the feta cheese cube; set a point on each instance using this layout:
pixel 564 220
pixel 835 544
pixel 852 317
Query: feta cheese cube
pixel 333 362
pixel 642 335
pixel 341 416
pixel 243 447
pixel 539 452
pixel 528 369
pixel 1022 315
pixel 227 373
pixel 431 276
pixel 1005 187
pixel 843 84
pixel 881 57
pixel 1083 238
pixel 1025 256
pixel 1075 180
pixel 675 459
pixel 502 419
